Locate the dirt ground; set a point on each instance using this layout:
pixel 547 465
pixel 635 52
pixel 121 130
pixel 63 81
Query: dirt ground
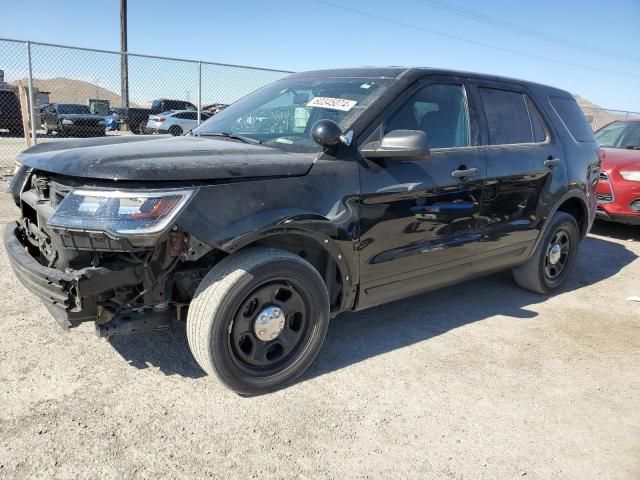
pixel 481 380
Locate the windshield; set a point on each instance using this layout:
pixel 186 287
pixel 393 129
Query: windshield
pixel 281 114
pixel 619 135
pixel 81 109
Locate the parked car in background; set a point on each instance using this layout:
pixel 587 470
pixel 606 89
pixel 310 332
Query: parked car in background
pixel 176 122
pixel 618 189
pixel 71 119
pixel 10 115
pixel 137 117
pixel 357 187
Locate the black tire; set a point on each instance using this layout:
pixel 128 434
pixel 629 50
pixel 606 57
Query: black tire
pixel 226 307
pixel 61 131
pixel 549 267
pixel 175 130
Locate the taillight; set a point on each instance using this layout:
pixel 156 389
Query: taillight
pixel 160 119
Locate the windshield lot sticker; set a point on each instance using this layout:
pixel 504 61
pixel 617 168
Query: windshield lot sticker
pixel 341 104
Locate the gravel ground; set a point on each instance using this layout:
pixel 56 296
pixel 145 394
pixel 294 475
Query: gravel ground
pixel 481 380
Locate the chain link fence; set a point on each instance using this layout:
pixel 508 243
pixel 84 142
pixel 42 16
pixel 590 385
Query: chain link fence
pixel 79 92
pixel 599 117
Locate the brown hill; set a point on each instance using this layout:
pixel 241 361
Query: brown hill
pixel 67 90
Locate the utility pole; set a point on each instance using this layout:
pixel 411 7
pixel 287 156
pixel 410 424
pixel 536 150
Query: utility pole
pixel 124 61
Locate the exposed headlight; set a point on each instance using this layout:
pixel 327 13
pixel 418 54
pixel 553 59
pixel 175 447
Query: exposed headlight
pixel 66 121
pixel 100 122
pixel 120 212
pixel 631 175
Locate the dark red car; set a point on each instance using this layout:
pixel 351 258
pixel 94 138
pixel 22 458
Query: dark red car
pixel 618 189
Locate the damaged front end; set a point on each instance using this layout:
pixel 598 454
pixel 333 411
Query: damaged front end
pixel 113 256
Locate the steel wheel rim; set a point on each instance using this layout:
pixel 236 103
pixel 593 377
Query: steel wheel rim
pixel 557 254
pixel 257 356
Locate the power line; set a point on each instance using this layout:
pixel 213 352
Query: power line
pixel 473 42
pixel 512 27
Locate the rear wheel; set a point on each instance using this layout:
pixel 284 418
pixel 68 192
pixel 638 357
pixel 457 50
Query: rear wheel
pixel 553 259
pixel 258 319
pixel 175 130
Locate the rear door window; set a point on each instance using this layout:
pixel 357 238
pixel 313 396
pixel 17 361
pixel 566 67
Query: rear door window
pixel 573 118
pixel 508 120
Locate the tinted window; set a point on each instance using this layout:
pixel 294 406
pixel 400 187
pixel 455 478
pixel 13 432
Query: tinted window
pixel 177 105
pixel 507 116
pixel 190 115
pixel 572 118
pixel 69 108
pixel 537 125
pixel 439 110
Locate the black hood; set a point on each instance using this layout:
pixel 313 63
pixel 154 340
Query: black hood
pixel 163 158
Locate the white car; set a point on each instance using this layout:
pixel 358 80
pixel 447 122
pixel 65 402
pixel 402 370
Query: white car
pixel 175 122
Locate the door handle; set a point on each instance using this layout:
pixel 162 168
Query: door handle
pixel 467 173
pixel 551 162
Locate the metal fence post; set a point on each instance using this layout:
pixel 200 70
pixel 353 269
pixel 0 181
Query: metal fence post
pixel 199 92
pixel 595 120
pixel 32 108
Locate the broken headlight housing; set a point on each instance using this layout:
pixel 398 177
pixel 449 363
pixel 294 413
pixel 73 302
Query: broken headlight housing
pixel 120 213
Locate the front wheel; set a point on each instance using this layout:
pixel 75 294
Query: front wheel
pixel 554 257
pixel 258 319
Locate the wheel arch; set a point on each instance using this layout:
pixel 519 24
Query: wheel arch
pixel 575 203
pixel 317 247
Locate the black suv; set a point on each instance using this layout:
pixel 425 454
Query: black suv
pixel 10 116
pixel 323 192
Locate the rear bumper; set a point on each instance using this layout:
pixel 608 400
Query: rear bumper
pixel 151 131
pixel 53 287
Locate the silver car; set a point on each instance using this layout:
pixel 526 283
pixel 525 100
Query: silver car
pixel 175 122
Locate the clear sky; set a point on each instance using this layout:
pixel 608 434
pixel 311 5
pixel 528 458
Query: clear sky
pixel 309 34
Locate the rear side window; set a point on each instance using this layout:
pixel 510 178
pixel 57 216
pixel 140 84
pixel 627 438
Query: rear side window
pixel 511 117
pixel 572 118
pixel 537 126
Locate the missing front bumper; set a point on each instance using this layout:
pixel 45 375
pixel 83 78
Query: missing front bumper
pixel 71 296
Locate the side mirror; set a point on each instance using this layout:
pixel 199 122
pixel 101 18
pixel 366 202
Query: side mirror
pixel 326 133
pixel 400 145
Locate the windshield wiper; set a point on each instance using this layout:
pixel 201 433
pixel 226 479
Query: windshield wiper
pixel 232 136
pixel 632 147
